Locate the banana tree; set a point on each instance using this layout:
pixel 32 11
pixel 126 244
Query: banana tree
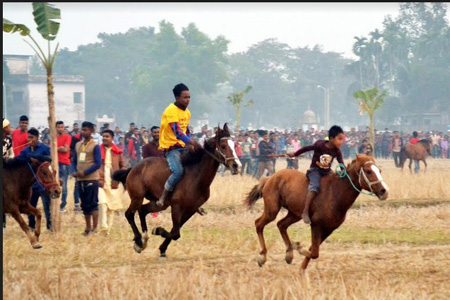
pixel 45 15
pixel 370 101
pixel 237 99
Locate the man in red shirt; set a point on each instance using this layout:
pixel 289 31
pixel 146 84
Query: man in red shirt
pixel 20 136
pixel 63 143
pixel 414 141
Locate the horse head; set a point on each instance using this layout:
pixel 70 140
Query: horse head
pixel 369 176
pixel 427 145
pixel 46 176
pixel 224 147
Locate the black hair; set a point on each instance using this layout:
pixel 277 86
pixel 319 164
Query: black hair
pixel 179 88
pixel 154 127
pixel 132 124
pixel 108 131
pixel 33 131
pixel 414 133
pixel 88 125
pixel 23 118
pixel 59 122
pixel 75 123
pixel 334 131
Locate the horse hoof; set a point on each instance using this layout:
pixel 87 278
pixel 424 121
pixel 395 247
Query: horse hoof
pixel 137 248
pixel 261 260
pixel 289 258
pixel 37 246
pixel 157 231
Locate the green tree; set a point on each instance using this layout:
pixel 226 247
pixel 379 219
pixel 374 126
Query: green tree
pixel 45 15
pixel 237 100
pixel 370 101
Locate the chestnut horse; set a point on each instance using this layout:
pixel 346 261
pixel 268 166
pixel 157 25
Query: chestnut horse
pixel 417 152
pixel 288 189
pixel 147 178
pixel 18 177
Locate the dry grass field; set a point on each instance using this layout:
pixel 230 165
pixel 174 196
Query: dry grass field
pixel 396 249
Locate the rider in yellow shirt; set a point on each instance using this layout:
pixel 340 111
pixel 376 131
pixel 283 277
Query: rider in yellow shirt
pixel 174 136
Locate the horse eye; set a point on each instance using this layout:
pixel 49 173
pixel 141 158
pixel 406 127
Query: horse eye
pixel 223 147
pixel 369 172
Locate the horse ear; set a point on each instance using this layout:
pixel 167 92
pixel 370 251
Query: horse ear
pixel 225 128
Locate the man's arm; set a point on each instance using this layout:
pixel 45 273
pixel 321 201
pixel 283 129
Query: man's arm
pixel 179 133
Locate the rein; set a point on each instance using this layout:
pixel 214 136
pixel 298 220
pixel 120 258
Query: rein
pixel 343 173
pixel 42 185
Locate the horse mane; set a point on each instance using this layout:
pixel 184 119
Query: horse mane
pixel 17 162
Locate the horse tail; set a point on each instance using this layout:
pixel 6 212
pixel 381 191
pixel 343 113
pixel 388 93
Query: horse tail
pixel 121 176
pixel 255 193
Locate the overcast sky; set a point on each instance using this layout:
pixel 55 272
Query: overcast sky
pixel 331 25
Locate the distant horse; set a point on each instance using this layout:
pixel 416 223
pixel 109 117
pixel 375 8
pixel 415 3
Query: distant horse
pixel 18 177
pixel 288 189
pixel 147 178
pixel 417 152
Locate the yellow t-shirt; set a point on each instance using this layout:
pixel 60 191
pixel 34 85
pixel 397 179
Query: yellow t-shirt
pixel 172 114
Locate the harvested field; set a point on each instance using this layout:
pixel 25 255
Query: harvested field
pixel 395 249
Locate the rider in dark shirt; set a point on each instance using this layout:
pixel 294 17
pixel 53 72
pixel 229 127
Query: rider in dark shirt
pixel 324 154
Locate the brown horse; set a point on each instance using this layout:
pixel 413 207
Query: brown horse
pixel 416 152
pixel 147 178
pixel 288 189
pixel 18 177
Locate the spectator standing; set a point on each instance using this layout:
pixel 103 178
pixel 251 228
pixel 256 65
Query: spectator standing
pixel 63 141
pixel 109 198
pixel 397 144
pixel 87 162
pixel 265 161
pixel 20 136
pixel 151 149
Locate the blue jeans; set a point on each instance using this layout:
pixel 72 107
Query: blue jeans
pixel 416 166
pixel 45 202
pixel 174 161
pixel 64 175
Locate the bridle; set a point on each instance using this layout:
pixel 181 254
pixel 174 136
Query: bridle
pixel 368 182
pixel 43 185
pixel 221 155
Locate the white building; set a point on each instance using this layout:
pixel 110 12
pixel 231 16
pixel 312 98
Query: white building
pixel 26 94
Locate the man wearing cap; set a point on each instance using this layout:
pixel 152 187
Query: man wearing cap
pixel 37 148
pixel 8 153
pixel 7 150
pixel 20 136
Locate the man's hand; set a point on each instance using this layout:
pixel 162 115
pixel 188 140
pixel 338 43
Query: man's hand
pixel 78 174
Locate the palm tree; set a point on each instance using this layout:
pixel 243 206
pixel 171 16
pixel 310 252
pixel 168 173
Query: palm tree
pixel 370 101
pixel 236 100
pixel 44 16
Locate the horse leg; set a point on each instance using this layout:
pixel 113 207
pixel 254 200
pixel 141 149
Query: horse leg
pixel 30 210
pixel 166 242
pixel 410 163
pixel 425 163
pixel 16 215
pixel 283 225
pixel 143 212
pixel 269 214
pixel 318 235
